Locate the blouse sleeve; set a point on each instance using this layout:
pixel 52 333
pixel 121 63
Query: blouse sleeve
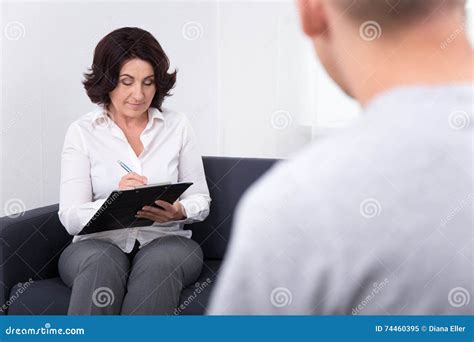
pixel 196 200
pixel 76 207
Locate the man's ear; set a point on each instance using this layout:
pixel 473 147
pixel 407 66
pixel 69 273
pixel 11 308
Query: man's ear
pixel 313 17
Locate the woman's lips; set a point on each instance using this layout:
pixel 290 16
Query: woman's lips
pixel 133 105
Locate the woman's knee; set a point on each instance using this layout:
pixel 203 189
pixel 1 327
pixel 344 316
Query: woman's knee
pixel 173 251
pixel 172 254
pixel 92 256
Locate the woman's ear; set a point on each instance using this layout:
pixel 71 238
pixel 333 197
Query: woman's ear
pixel 313 17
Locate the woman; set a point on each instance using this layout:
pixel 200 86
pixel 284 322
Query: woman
pixel 138 270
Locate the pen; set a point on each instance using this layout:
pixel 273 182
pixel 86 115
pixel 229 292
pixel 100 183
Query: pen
pixel 124 166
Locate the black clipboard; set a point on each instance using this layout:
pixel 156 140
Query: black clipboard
pixel 120 208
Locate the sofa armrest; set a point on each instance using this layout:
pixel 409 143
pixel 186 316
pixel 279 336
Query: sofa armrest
pixel 30 246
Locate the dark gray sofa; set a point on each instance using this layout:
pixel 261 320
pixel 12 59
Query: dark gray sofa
pixel 30 245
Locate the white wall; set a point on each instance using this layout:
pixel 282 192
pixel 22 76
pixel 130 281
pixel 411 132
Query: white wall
pixel 238 71
pixel 249 81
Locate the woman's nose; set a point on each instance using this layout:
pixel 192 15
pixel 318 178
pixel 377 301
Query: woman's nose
pixel 138 94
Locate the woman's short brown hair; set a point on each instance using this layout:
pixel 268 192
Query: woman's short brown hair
pixel 113 51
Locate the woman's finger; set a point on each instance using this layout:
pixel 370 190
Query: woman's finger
pixel 136 176
pixel 129 184
pixel 153 210
pixel 166 206
pixel 133 183
pixel 151 216
pixel 157 212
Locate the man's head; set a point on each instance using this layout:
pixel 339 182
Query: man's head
pixel 354 35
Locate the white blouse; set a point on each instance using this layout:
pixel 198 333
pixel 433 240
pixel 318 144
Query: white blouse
pixel 90 172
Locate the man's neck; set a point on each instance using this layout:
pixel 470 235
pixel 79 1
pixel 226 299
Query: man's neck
pixel 414 60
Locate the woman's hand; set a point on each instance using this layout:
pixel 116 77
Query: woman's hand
pixel 170 212
pixel 131 180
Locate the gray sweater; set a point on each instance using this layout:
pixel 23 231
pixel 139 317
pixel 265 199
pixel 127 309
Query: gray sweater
pixel 377 219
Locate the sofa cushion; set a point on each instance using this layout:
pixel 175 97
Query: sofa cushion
pixel 42 297
pixel 51 296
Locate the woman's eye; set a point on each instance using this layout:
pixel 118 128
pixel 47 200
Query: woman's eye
pixel 126 82
pixel 149 83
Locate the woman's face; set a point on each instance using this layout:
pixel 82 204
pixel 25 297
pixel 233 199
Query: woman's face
pixel 135 89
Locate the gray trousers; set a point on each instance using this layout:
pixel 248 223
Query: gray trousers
pixel 107 281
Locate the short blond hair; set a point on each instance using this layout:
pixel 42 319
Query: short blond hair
pixel 394 11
